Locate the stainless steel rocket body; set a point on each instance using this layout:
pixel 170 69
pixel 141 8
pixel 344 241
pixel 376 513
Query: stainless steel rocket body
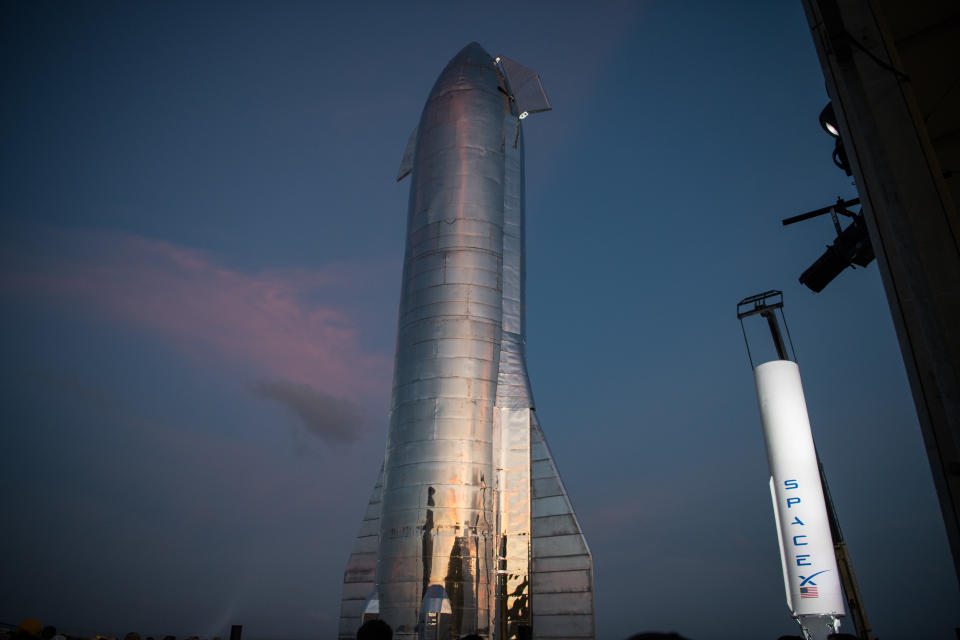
pixel 449 543
pixel 437 506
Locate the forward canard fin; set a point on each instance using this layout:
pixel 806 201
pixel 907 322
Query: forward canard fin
pixel 406 163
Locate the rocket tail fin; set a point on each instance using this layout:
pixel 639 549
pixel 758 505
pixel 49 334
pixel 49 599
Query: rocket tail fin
pixel 783 554
pixel 562 584
pixel 360 575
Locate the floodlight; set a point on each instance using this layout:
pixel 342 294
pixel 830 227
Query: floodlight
pixel 828 120
pixel 850 247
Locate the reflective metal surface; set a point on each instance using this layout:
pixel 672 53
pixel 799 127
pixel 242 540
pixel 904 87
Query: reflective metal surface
pixel 474 531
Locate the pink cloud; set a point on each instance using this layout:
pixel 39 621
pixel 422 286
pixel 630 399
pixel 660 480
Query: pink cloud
pixel 277 323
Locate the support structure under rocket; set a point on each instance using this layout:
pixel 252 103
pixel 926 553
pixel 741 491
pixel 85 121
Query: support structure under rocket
pixel 469 529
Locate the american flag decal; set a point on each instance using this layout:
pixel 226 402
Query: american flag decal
pixel 809 592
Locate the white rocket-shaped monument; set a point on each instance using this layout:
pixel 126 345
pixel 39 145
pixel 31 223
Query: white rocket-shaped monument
pixel 469 529
pixel 811 577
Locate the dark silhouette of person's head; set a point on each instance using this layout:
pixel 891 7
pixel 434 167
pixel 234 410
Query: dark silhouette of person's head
pixel 472 636
pixel 48 632
pixel 374 630
pixel 655 635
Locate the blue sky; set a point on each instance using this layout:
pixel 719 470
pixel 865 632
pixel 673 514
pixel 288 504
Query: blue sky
pixel 200 267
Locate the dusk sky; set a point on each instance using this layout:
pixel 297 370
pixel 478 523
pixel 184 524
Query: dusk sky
pixel 200 269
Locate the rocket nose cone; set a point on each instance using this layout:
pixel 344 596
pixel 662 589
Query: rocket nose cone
pixel 471 68
pixel 473 53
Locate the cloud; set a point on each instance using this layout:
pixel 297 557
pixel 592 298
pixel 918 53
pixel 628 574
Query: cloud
pixel 293 328
pixel 335 420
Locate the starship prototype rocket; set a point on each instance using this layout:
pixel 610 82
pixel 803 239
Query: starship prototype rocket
pixel 469 528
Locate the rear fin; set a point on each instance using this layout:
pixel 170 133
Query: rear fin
pixel 562 563
pixel 360 575
pixel 783 555
pixel 406 164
